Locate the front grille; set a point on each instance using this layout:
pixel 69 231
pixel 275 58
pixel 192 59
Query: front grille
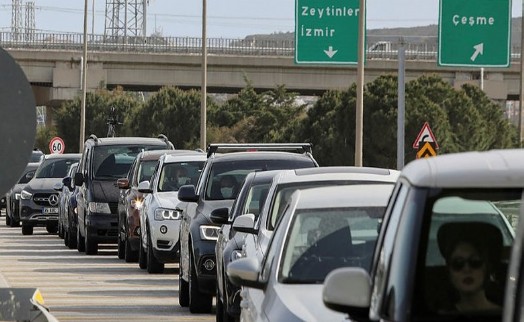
pixel 42 199
pixel 163 244
pixel 113 206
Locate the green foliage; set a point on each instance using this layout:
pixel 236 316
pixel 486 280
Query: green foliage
pixel 170 111
pixel 97 112
pixel 44 136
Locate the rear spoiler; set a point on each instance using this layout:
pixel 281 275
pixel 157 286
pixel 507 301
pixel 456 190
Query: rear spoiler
pixel 238 147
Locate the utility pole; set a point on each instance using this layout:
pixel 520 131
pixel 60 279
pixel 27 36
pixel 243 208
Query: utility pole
pixel 203 99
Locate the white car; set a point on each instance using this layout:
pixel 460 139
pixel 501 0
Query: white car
pixel 159 212
pixel 321 229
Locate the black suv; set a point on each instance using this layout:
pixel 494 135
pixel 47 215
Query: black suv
pixel 104 160
pixel 38 199
pixel 217 187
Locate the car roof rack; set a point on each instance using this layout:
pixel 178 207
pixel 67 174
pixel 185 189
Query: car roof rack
pixel 164 138
pixel 237 147
pixel 93 137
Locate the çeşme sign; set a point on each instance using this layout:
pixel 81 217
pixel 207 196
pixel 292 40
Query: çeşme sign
pixel 326 31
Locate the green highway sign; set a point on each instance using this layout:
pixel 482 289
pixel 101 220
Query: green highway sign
pixel 474 33
pixel 326 31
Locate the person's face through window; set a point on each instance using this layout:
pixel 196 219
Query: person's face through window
pixel 467 269
pixel 181 177
pixel 226 187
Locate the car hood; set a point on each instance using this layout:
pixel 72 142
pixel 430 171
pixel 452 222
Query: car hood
pixel 42 184
pixel 168 199
pixel 302 302
pixel 105 191
pixel 18 187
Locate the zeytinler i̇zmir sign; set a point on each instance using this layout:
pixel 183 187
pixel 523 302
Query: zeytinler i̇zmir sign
pixel 475 33
pixel 326 31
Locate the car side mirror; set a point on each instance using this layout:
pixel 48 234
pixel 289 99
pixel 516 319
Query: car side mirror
pixel 348 290
pixel 220 216
pixel 245 224
pixel 144 187
pixel 245 272
pixel 79 179
pixel 30 175
pixel 122 183
pixel 187 193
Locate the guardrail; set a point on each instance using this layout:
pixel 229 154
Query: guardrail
pixel 417 48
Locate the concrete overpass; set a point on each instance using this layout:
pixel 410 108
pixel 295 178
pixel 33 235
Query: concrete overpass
pixel 55 74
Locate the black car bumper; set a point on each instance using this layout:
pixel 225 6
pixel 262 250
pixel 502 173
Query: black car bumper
pixel 102 228
pixel 35 216
pixel 205 260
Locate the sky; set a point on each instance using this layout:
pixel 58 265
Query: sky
pixel 225 18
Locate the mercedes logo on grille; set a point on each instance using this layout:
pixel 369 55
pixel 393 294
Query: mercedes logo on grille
pixel 53 200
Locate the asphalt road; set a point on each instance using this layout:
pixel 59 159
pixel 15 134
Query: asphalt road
pixel 77 287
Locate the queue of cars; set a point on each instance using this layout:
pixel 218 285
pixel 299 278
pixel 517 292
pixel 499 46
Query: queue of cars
pixel 275 237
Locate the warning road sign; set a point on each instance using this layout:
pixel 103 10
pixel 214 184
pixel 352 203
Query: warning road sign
pixel 427 150
pixel 425 135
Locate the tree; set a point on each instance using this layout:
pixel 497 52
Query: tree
pixel 170 111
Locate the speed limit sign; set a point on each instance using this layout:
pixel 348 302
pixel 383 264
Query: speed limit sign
pixel 56 145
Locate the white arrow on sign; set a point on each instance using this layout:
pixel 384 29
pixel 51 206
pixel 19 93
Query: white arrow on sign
pixel 479 49
pixel 330 52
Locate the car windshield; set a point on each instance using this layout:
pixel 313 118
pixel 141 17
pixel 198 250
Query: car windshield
pixel 54 168
pixel 115 161
pixel 227 177
pixel 321 240
pixel 176 174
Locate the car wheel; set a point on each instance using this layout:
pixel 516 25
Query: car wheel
pixel 219 308
pixel 90 245
pixel 60 231
pixel 142 257
pixel 198 302
pixel 66 239
pixel 131 256
pixel 183 289
pixel 153 265
pixel 121 248
pixel 80 242
pixel 7 220
pixel 71 236
pixel 27 230
pixel 51 228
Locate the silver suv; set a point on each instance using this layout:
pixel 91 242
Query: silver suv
pixel 445 239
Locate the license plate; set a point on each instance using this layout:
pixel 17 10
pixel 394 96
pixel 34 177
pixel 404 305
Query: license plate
pixel 50 210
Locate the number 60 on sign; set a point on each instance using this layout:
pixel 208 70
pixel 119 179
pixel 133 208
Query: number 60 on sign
pixel 56 145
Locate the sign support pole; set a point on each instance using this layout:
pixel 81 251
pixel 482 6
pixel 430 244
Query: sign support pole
pixel 360 84
pixel 401 105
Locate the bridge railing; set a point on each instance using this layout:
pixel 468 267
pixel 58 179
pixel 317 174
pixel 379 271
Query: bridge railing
pixel 416 48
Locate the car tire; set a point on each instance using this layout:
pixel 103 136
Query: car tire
pixel 7 220
pixel 130 256
pixel 183 289
pixel 121 248
pixel 219 308
pixel 66 239
pixel 153 265
pixel 60 231
pixel 51 228
pixel 91 246
pixel 80 242
pixel 27 230
pixel 198 301
pixel 142 257
pixel 71 235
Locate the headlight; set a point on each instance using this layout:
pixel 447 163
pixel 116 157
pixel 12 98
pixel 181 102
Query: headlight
pixel 209 232
pixel 137 203
pixel 17 196
pixel 166 214
pixel 99 207
pixel 25 195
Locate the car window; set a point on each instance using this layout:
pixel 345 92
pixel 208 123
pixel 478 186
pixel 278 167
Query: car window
pixel 176 174
pixel 54 168
pixel 465 250
pixel 26 177
pixel 146 169
pixel 255 199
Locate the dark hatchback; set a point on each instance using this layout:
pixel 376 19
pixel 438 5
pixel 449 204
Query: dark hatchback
pixel 12 197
